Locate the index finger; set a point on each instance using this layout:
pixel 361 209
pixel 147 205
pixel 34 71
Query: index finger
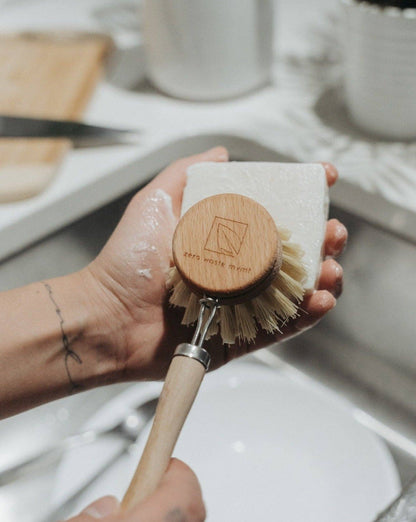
pixel 173 178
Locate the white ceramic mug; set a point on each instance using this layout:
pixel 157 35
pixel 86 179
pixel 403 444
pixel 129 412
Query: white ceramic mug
pixel 380 69
pixel 208 49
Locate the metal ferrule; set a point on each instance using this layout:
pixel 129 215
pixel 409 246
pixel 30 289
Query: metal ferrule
pixel 195 352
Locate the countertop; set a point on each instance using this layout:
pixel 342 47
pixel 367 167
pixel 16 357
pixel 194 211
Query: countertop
pixel 299 116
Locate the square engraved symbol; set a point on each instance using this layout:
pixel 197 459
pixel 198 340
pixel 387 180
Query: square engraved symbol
pixel 226 236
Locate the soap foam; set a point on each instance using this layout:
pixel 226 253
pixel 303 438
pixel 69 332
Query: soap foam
pixel 151 250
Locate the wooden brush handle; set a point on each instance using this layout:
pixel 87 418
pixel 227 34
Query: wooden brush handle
pixel 179 391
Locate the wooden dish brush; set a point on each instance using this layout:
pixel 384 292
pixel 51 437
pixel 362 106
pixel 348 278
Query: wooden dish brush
pixel 232 266
pixel 229 256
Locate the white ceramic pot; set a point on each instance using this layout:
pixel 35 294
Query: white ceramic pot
pixel 380 69
pixel 208 49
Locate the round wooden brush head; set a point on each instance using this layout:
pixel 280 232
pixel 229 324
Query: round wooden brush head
pixel 228 247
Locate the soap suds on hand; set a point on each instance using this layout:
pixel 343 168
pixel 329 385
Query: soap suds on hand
pixel 145 272
pixel 152 246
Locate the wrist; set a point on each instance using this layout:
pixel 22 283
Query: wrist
pixel 98 322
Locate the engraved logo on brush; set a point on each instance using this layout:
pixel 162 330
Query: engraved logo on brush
pixel 226 236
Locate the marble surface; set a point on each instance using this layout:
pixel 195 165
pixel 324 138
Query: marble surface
pixel 300 115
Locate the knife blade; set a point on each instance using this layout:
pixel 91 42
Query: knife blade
pixel 22 127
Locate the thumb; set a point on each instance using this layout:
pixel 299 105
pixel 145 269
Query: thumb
pixel 178 497
pixel 100 509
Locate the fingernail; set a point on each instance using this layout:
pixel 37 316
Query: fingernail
pixel 330 169
pixel 220 153
pixel 341 237
pixel 328 301
pixel 103 507
pixel 339 272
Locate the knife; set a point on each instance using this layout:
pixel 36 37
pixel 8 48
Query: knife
pixel 20 127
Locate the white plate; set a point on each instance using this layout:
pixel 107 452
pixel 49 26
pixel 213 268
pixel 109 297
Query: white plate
pixel 265 447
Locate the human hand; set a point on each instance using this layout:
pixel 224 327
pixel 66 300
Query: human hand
pixel 177 498
pixel 131 275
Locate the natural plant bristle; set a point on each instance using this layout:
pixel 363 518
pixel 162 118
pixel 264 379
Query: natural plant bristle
pixel 269 311
pixel 292 266
pixel 284 234
pixel 213 328
pixel 289 286
pixel 246 323
pixel 191 310
pixel 269 322
pixel 173 277
pixel 180 294
pixel 228 324
pixel 283 307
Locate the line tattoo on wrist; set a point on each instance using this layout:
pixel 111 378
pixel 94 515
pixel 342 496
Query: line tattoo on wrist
pixel 69 353
pixel 176 515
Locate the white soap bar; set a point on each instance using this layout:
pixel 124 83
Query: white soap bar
pixel 295 195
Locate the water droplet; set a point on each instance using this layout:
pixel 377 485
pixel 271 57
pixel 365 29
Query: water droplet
pixel 238 446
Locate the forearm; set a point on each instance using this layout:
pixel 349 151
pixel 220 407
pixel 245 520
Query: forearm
pixel 54 342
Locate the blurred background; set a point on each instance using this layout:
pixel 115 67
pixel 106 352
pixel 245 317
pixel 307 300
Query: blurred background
pixel 272 80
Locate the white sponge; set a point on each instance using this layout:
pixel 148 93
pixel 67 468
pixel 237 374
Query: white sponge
pixel 295 195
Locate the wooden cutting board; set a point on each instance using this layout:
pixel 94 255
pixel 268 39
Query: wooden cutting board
pixel 43 75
